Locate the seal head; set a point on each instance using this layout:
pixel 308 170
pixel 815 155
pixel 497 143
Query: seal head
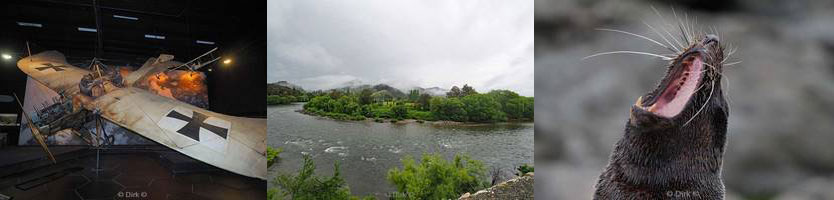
pixel 674 139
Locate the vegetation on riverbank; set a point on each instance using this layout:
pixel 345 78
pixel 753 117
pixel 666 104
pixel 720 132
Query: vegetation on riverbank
pixel 433 177
pixel 461 105
pixel 272 155
pixel 284 93
pixel 524 169
pixel 436 178
pixel 306 185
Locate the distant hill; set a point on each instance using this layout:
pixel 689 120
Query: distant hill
pixel 375 88
pixel 283 88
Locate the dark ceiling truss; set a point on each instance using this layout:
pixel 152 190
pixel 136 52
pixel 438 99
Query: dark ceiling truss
pixel 122 29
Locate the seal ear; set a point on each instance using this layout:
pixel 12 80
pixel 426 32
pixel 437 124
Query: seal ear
pixel 643 119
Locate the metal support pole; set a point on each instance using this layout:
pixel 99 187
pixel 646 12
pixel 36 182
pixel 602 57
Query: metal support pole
pixel 98 166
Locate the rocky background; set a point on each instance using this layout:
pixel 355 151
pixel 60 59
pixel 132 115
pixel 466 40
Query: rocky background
pixel 781 126
pixel 520 187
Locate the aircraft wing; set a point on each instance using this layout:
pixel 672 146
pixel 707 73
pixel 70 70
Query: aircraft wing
pixel 51 69
pixel 236 144
pixel 232 143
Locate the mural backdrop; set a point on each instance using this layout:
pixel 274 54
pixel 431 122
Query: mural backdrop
pixel 186 86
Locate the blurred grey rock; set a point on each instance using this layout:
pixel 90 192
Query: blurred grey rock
pixel 515 188
pixel 816 188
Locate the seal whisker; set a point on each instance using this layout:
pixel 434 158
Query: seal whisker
pixel 663 37
pixel 712 88
pixel 636 35
pixel 628 52
pixel 732 63
pixel 732 51
pixel 683 34
pixel 662 19
pixel 680 26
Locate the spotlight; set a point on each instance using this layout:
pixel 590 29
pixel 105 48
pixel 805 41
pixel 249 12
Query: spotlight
pixel 227 61
pixel 7 56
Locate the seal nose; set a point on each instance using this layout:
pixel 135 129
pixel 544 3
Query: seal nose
pixel 710 38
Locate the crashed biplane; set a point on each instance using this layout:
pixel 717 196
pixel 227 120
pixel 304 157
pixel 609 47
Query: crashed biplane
pixel 236 144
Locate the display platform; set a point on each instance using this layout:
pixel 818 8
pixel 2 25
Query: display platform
pixel 125 172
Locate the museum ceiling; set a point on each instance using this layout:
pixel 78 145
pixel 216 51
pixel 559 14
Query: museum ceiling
pixel 130 30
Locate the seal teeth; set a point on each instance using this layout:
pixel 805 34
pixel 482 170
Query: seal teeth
pixel 639 102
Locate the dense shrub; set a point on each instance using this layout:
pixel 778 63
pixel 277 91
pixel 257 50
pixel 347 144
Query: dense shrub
pixel 306 185
pixel 482 108
pixel 272 155
pixel 495 106
pixel 400 111
pixel 278 100
pixel 420 115
pixel 448 109
pixel 436 178
pixel 524 169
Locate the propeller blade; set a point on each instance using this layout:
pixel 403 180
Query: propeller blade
pixel 36 133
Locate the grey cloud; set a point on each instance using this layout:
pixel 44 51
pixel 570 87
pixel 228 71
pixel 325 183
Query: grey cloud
pixel 322 44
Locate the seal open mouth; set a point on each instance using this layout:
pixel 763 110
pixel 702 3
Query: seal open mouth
pixel 679 85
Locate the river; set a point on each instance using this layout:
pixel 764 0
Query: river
pixel 367 150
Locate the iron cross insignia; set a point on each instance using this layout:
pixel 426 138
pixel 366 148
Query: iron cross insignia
pixel 192 129
pixel 51 66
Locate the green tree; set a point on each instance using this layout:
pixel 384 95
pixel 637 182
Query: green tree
pixel 436 178
pixel 400 111
pixel 424 101
pixel 454 92
pixel 307 186
pixel 319 103
pixel 335 94
pixel 503 97
pixel 520 108
pixel 482 108
pixel 467 90
pixel 448 109
pixel 365 96
pixel 413 95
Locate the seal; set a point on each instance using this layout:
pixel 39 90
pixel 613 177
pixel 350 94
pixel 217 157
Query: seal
pixel 674 139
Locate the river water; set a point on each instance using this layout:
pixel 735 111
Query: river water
pixel 367 150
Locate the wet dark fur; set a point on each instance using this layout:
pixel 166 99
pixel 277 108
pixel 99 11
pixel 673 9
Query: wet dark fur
pixel 657 158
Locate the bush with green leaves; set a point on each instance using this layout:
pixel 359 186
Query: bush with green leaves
pixel 448 109
pixel 272 155
pixel 482 108
pixel 400 111
pixel 307 186
pixel 524 169
pixel 420 115
pixel 436 178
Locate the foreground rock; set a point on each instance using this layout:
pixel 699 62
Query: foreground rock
pixel 516 188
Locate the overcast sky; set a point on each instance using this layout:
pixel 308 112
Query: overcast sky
pixel 323 44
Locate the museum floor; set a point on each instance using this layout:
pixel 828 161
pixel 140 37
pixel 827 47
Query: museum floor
pixel 144 172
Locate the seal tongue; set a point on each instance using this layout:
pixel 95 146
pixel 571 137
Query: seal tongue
pixel 677 93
